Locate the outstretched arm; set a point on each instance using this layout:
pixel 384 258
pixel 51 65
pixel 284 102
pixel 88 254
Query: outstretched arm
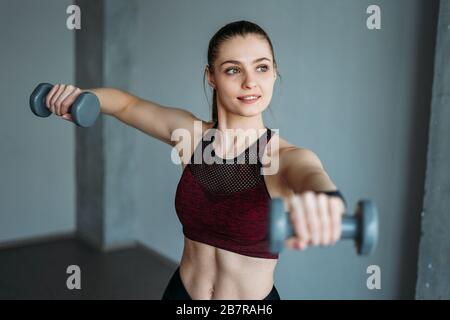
pixel 316 217
pixel 303 171
pixel 147 116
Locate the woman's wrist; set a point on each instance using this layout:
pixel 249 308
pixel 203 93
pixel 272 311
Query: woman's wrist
pixel 334 193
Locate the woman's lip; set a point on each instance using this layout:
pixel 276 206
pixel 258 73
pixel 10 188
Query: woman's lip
pixel 250 95
pixel 249 101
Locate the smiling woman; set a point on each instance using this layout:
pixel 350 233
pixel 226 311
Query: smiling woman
pixel 241 68
pixel 224 207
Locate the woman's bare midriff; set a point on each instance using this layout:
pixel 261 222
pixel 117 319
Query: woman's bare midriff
pixel 210 273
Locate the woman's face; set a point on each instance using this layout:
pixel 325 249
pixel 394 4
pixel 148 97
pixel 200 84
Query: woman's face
pixel 244 66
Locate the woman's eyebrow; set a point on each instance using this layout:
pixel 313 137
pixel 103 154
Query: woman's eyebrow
pixel 238 62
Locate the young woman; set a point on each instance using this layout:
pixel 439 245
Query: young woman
pixel 223 207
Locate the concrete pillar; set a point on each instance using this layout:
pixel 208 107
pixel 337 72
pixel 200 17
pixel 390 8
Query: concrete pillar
pixel 105 153
pixel 434 252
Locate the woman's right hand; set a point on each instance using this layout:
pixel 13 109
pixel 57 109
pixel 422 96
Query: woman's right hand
pixel 60 98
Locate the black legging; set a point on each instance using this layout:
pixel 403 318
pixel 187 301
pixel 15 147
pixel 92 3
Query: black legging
pixel 175 290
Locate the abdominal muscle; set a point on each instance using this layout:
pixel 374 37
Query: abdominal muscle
pixel 210 273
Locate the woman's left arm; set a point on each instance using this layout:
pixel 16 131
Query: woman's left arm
pixel 316 216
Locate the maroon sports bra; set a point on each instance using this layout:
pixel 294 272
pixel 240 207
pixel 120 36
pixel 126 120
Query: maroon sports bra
pixel 225 203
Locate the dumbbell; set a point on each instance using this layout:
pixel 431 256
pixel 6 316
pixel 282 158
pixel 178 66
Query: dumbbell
pixel 362 226
pixel 84 110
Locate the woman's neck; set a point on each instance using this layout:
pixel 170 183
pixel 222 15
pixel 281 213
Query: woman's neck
pixel 236 136
pixel 243 123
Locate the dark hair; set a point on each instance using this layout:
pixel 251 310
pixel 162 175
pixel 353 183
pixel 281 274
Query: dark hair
pixel 237 28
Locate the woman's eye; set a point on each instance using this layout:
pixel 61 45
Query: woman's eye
pixel 265 68
pixel 230 69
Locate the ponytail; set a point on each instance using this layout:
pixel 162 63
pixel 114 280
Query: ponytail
pixel 214 116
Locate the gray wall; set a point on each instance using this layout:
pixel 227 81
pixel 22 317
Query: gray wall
pixel 360 99
pixel 37 194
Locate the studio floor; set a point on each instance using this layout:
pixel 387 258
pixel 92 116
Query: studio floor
pixel 39 271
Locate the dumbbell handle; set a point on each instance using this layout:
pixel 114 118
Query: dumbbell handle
pixel 362 227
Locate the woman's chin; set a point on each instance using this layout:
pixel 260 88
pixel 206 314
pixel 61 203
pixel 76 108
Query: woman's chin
pixel 252 110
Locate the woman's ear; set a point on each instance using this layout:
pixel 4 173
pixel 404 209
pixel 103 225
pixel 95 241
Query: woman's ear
pixel 210 76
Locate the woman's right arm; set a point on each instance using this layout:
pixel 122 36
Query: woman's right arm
pixel 149 117
pixel 154 119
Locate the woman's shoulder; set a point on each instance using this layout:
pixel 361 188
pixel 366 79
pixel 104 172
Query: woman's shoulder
pixel 199 128
pixel 285 151
pixel 279 145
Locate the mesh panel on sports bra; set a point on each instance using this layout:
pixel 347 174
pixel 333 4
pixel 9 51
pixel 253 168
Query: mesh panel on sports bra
pixel 226 176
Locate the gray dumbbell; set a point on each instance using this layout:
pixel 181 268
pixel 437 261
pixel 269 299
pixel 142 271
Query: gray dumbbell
pixel 362 227
pixel 84 110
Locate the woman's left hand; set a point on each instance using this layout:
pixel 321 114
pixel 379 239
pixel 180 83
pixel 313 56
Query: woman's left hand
pixel 316 219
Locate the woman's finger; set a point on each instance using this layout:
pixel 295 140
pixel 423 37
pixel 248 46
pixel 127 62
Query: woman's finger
pixel 301 235
pixel 310 208
pixel 69 100
pixel 305 237
pixel 337 209
pixel 65 94
pixel 50 96
pixel 55 97
pixel 324 217
pixel 67 117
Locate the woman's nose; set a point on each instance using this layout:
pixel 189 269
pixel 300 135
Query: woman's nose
pixel 249 82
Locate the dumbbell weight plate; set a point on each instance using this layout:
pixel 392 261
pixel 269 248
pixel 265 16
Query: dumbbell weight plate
pixel 37 100
pixel 369 224
pixel 85 110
